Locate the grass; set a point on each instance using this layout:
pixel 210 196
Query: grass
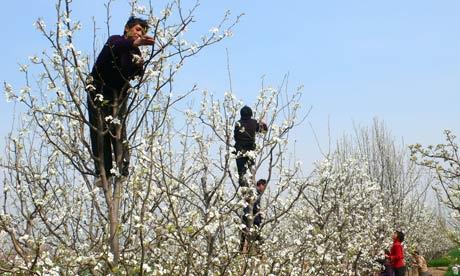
pixel 455 253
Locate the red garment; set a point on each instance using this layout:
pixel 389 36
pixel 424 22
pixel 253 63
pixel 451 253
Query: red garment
pixel 396 255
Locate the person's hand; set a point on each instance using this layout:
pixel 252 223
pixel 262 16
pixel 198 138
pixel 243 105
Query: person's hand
pixel 144 40
pixel 263 127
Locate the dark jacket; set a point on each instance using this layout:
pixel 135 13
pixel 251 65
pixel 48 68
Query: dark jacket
pixel 245 130
pixel 245 134
pixel 115 66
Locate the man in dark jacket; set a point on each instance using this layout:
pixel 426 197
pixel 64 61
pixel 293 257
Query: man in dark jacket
pixel 246 236
pixel 119 62
pixel 245 140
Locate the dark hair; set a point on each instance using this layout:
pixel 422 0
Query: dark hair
pixel 261 182
pixel 133 21
pixel 246 112
pixel 399 236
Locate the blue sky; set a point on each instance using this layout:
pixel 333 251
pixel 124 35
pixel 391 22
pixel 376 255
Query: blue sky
pixel 395 60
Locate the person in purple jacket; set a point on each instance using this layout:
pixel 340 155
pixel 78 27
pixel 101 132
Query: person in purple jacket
pixel 119 62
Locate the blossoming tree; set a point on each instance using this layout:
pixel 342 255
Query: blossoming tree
pixel 48 164
pixel 179 212
pixel 444 161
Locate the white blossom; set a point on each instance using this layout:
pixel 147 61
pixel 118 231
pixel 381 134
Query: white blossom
pixel 23 67
pixel 99 98
pixel 116 121
pixel 40 24
pixel 34 59
pixel 9 92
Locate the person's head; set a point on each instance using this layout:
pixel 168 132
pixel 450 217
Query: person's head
pixel 246 112
pixel 261 185
pixel 398 235
pixel 135 27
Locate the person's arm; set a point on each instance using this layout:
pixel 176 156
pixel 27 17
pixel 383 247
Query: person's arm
pixel 261 126
pixel 144 40
pixel 416 262
pixel 119 43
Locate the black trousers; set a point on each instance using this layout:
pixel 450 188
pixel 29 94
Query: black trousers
pixel 108 138
pixel 400 271
pixel 243 164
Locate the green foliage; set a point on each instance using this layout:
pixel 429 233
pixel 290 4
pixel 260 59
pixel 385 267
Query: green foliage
pixel 455 253
pixel 439 262
pixel 449 272
pixel 451 258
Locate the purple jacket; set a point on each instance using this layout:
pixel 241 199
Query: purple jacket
pixel 114 65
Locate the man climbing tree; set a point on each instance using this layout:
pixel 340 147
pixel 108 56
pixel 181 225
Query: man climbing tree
pixel 252 221
pixel 245 141
pixel 119 61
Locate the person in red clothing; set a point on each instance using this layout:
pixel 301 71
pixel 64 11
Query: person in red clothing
pixel 396 256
